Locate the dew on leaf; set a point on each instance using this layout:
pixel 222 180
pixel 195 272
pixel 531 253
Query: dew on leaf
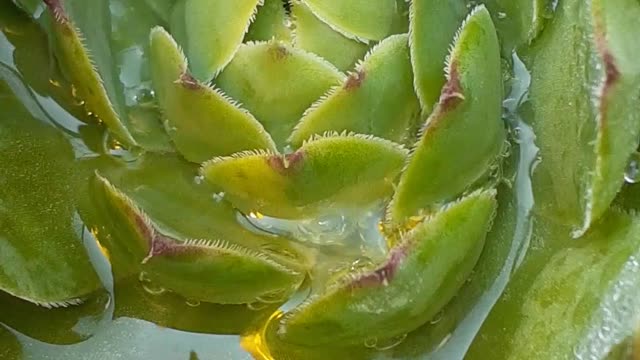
pixel 632 172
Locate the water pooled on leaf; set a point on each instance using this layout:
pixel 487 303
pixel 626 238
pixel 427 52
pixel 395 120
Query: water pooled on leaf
pixel 632 172
pixel 193 303
pixel 388 344
pixel 150 288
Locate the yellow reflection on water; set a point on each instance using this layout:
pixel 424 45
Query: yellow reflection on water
pixel 255 342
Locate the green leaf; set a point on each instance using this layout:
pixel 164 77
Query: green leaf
pixel 42 257
pixel 420 275
pixel 202 121
pixel 219 272
pixel 135 225
pixel 357 19
pixel 582 94
pixel 591 284
pixel 277 83
pixel 433 24
pixel 11 348
pixel 170 310
pixel 618 119
pixel 55 326
pixel 376 99
pixel 319 38
pixel 465 134
pixel 213 31
pixel 327 171
pixel 162 8
pixel 518 22
pixel 201 270
pixel 89 75
pixel 103 50
pixel 270 23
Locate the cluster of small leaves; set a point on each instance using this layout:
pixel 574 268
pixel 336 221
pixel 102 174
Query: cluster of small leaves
pixel 290 110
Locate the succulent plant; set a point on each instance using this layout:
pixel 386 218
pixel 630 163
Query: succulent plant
pixel 352 179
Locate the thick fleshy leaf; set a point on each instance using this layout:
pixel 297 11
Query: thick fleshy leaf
pixel 219 272
pixel 327 171
pixel 202 270
pixel 213 30
pixel 162 8
pixel 151 183
pixel 615 22
pixel 270 23
pixel 85 72
pixel 358 19
pixel 583 108
pixel 202 121
pixel 591 284
pixel 319 38
pixel 277 83
pixel 42 256
pixel 376 99
pixel 518 22
pixel 420 275
pixel 465 134
pixel 103 51
pixel 134 299
pixel 433 24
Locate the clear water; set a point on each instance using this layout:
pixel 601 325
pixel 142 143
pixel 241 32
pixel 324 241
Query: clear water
pixel 111 337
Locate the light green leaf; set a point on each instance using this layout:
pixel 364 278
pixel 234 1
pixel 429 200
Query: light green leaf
pixel 358 19
pixel 420 275
pixel 277 83
pixel 465 134
pixel 213 30
pixel 317 37
pixel 326 172
pixel 591 284
pixel 202 270
pixel 518 22
pixel 376 99
pixel 270 23
pixel 202 121
pixel 90 75
pixel 582 94
pixel 433 24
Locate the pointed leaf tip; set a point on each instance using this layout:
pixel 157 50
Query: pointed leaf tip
pixel 464 135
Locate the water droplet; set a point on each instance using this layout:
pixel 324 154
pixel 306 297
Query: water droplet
pixel 147 286
pixel 502 15
pixel 218 197
pixel 193 303
pixel 257 306
pixel 55 83
pixel 198 179
pixel 632 173
pixel 144 95
pixel 437 318
pixel 388 344
pixel 153 290
pixel 371 343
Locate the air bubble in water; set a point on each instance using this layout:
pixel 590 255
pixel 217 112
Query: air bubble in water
pixel 632 172
pixel 371 343
pixel 193 303
pixel 390 343
pixel 218 197
pixel 257 306
pixel 148 287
